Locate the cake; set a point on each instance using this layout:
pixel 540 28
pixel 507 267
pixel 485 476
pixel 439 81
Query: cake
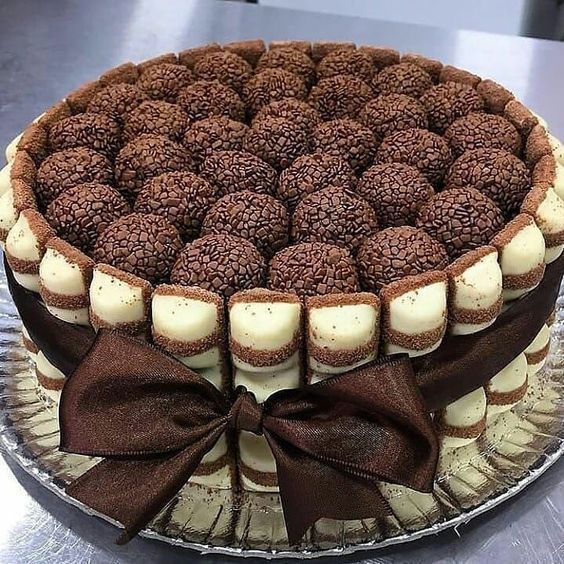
pixel 275 217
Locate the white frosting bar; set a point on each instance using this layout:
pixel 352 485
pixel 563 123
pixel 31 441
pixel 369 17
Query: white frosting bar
pixel 507 387
pixel 475 286
pixel 29 345
pixel 557 148
pixel 343 331
pixel 12 146
pixel 537 351
pixel 414 313
pixel 50 379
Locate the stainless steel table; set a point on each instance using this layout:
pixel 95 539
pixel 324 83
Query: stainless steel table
pixel 48 48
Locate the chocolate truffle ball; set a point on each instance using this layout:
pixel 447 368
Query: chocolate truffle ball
pixel 158 118
pixel 144 245
pixel 271 85
pixel 290 60
pixel 182 198
pixel 341 62
pixel 447 102
pixel 403 78
pixel 395 253
pixel 217 133
pixel 333 215
pixel 420 148
pixel 164 82
pixel 310 269
pixel 145 157
pixel 393 112
pixel 117 100
pixel 346 139
pixel 94 131
pixel 220 263
pixel 482 131
pixel 228 68
pixel 299 112
pixel 341 96
pixel 461 219
pixel 497 174
pixel 205 99
pixel 65 169
pixel 82 212
pixel 277 141
pixel 258 218
pixel 233 171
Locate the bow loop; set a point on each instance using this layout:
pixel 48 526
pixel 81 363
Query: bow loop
pixel 246 414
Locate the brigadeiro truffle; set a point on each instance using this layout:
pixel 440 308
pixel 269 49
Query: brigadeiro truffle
pixel 447 102
pixel 341 96
pixel 346 139
pixel 82 212
pixel 145 157
pixel 355 63
pixel 144 245
pixel 333 215
pixel 65 169
pixel 291 109
pixel 497 174
pixel 277 141
pixel 290 60
pixel 461 219
pixel 403 78
pixel 204 99
pixel 420 148
pixel 228 68
pixel 158 118
pixel 182 198
pixel 232 171
pixel 95 131
pixel 117 100
pixel 397 252
pixel 217 133
pixel 310 269
pixel 393 112
pixel 259 218
pixel 164 82
pixel 271 85
pixel 482 131
pixel 396 191
pixel 220 263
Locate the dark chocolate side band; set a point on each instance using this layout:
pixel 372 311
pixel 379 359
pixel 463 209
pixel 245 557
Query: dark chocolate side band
pixel 461 364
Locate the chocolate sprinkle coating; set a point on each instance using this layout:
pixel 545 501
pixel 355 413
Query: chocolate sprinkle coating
pixel 182 198
pixel 158 118
pixel 232 171
pixel 497 174
pixel 82 212
pixel 220 263
pixel 393 112
pixel 482 131
pixel 447 102
pixel 164 82
pixel 205 99
pixel 334 215
pixel 311 269
pixel 395 253
pixel 116 101
pixel 258 218
pixel 94 131
pixel 290 60
pixel 145 157
pixel 396 191
pixel 217 133
pixel 65 169
pixel 297 111
pixel 426 151
pixel 271 85
pixel 462 219
pixel 311 173
pixel 277 141
pixel 228 68
pixel 346 139
pixel 341 96
pixel 403 78
pixel 143 245
pixel 356 63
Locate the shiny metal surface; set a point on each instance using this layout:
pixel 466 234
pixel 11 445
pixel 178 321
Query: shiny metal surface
pixel 49 48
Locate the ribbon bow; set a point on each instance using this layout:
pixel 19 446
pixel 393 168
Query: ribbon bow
pixel 153 419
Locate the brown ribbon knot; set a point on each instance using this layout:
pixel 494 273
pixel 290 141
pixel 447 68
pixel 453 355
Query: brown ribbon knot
pixel 153 420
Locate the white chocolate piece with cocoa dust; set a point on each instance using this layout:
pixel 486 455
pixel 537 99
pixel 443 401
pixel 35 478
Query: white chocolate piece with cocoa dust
pixel 507 388
pixel 50 379
pixel 537 351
